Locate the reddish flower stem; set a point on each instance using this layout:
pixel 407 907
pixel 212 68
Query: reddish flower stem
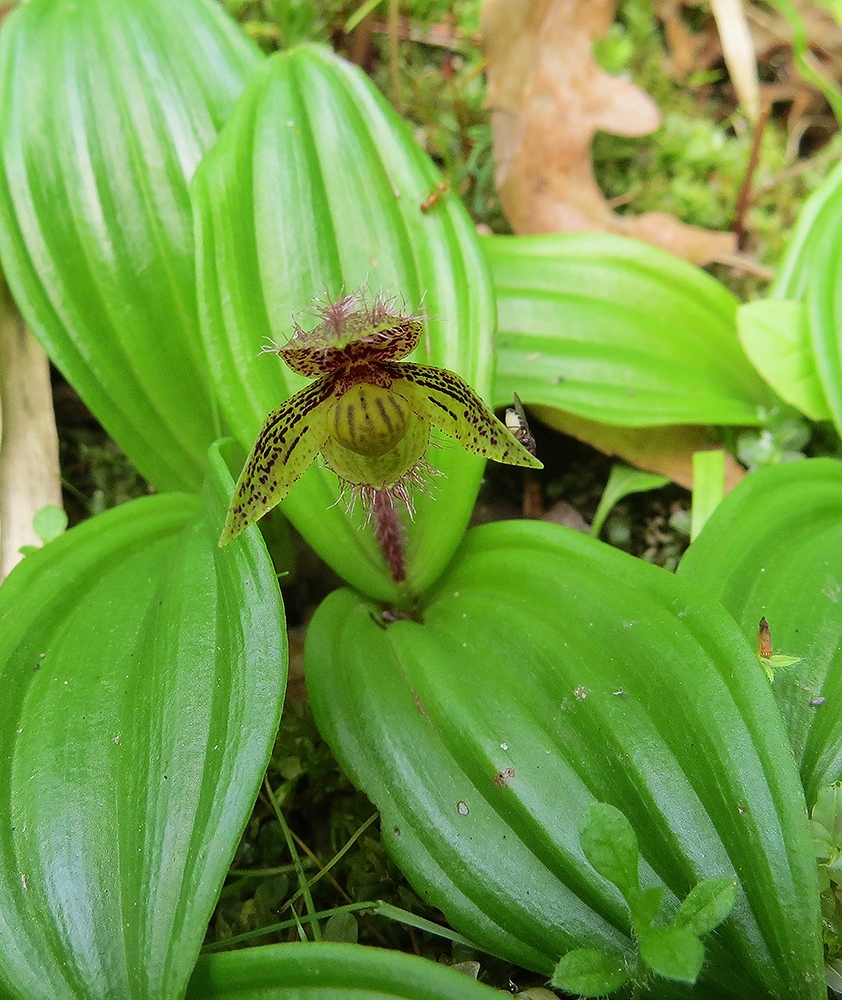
pixel 389 532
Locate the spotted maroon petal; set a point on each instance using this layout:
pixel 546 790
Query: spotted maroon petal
pixel 291 437
pixel 314 354
pixel 451 405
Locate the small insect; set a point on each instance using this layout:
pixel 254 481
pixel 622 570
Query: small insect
pixel 433 197
pixel 516 423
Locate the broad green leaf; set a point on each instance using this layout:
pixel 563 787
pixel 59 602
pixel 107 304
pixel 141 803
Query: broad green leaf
pixel 143 672
pixel 617 331
pixel 708 487
pixel 315 188
pixel 328 971
pixel 810 273
pixel 673 952
pixel 775 335
pixel 624 479
pixel 589 973
pixel 819 212
pixel 106 108
pixel 551 671
pixel 706 905
pixel 773 548
pixel 823 308
pixel 610 845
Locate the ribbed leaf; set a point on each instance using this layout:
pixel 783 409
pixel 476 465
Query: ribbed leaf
pixel 810 272
pixel 550 671
pixel 618 331
pixel 143 672
pixel 106 108
pixel 328 972
pixel 773 548
pixel 314 187
pixel 820 212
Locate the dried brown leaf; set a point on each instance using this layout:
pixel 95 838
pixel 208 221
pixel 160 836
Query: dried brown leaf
pixel 689 51
pixel 548 98
pixel 666 450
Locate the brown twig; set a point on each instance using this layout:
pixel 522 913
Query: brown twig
pixel 744 197
pixel 360 53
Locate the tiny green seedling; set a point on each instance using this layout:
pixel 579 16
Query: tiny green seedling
pixel 671 949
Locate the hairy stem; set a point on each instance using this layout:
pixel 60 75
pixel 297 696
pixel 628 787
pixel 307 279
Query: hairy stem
pixel 389 532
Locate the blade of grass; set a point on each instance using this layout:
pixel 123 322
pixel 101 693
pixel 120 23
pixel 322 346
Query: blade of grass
pixel 318 864
pixel 299 867
pixel 284 925
pixel 360 14
pixel 419 923
pixel 337 857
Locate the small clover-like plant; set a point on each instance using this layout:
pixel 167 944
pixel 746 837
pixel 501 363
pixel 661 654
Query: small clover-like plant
pixel 673 949
pixel 368 412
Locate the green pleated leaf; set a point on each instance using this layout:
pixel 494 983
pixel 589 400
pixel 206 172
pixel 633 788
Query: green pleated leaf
pixel 810 272
pixel 143 672
pixel 819 213
pixel 106 108
pixel 328 972
pixel 315 188
pixel 551 671
pixel 773 549
pixel 615 330
pixel 825 309
pixel 775 334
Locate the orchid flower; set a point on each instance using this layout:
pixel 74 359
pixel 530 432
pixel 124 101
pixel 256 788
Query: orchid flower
pixel 368 413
